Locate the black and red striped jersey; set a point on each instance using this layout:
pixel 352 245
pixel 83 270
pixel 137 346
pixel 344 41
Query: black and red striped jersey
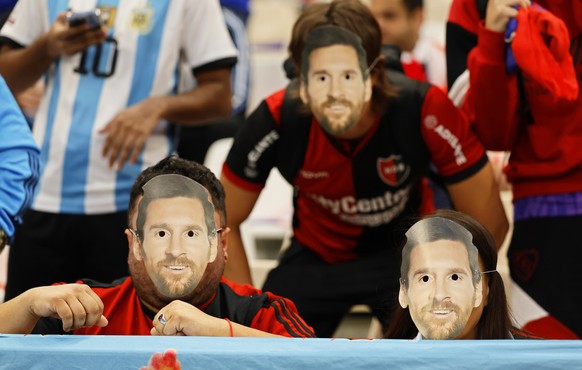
pixel 242 304
pixel 355 197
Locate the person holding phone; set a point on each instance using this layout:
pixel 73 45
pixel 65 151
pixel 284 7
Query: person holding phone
pixel 110 93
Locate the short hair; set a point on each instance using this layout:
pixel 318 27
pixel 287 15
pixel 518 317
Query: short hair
pixel 356 17
pixel 180 166
pixel 412 5
pixel 495 321
pixel 169 186
pixel 330 35
pixel 435 228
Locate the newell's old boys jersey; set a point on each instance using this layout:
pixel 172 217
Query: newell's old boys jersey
pixel 350 196
pixel 86 91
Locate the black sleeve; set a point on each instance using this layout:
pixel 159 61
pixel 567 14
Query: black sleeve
pixel 217 64
pixel 49 325
pixel 254 152
pixel 459 43
pixel 8 41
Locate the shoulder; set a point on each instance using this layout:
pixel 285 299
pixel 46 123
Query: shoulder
pixel 241 289
pixel 407 88
pixel 275 104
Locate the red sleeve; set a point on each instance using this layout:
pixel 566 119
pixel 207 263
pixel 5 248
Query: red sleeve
pixel 493 99
pixel 279 316
pixel 454 148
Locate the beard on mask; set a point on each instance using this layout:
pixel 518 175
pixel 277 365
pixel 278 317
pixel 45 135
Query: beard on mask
pixel 331 124
pixel 151 295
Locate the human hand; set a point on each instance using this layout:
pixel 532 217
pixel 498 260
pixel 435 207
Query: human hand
pixel 500 11
pixel 182 318
pixel 76 305
pixel 128 131
pixel 65 40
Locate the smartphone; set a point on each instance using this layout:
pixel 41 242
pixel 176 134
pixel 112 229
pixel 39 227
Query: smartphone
pixel 91 17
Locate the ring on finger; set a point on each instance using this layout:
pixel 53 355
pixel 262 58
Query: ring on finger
pixel 162 319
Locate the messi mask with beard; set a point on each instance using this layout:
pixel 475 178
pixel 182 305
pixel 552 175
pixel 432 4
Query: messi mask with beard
pixel 175 240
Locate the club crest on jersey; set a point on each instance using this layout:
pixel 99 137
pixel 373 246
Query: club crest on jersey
pixel 392 170
pixel 142 19
pixel 108 14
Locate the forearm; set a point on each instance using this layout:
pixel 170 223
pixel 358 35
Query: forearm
pixel 237 269
pixel 16 316
pixel 22 68
pixel 209 101
pixel 244 331
pixel 478 196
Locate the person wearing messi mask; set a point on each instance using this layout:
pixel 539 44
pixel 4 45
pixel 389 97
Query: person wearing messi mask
pixel 176 259
pixel 491 319
pixel 355 145
pixel 515 67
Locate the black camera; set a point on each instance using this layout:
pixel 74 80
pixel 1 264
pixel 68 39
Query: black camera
pixel 91 17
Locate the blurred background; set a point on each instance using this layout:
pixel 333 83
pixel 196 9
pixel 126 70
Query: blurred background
pixel 269 31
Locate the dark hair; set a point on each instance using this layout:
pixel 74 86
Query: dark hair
pixel 441 228
pixel 179 166
pixel 412 4
pixel 357 18
pixel 325 36
pixel 495 321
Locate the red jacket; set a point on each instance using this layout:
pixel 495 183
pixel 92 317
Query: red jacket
pixel 545 155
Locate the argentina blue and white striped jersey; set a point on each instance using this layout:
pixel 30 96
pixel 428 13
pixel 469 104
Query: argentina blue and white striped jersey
pixel 148 40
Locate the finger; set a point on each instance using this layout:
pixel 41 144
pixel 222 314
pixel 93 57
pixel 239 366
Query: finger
pixel 125 149
pixel 108 142
pixel 138 147
pixel 102 322
pixel 510 12
pixel 154 332
pixel 79 313
pixel 159 325
pixel 111 130
pixel 64 313
pixel 89 38
pixel 78 46
pixel 92 305
pixel 105 128
pixel 112 144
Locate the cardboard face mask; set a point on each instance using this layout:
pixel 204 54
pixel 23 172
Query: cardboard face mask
pixel 335 82
pixel 440 277
pixel 176 233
